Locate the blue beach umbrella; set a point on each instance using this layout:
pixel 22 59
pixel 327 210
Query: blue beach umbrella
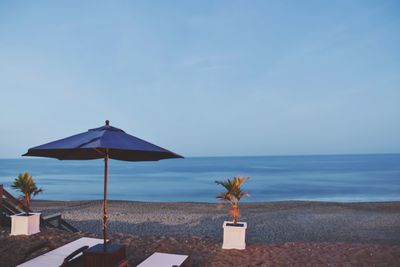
pixel 102 143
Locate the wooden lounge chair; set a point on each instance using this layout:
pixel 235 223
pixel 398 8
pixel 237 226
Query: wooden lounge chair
pixel 69 256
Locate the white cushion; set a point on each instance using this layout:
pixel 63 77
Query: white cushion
pixel 163 259
pixel 56 257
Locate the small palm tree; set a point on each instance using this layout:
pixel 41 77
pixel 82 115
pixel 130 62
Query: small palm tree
pixel 233 194
pixel 27 186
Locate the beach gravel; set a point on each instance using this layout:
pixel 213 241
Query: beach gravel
pixel 270 223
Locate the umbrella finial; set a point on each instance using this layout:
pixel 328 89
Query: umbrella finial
pixel 107 122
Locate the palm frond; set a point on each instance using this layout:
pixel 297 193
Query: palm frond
pixel 37 191
pixel 226 184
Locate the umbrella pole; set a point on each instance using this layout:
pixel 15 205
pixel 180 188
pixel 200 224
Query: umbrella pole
pixel 105 201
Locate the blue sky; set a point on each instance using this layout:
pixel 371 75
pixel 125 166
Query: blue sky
pixel 204 78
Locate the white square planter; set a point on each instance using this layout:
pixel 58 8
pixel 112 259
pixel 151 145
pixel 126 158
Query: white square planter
pixel 234 236
pixel 25 225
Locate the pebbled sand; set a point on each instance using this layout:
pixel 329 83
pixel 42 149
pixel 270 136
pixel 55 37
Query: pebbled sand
pixel 268 223
pixel 279 234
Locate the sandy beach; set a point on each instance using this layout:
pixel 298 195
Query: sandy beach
pixel 290 233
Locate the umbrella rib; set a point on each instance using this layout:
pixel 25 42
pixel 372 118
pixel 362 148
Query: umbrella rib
pixel 92 140
pixel 99 151
pixel 70 151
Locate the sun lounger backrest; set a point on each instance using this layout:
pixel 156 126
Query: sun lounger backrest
pixel 56 257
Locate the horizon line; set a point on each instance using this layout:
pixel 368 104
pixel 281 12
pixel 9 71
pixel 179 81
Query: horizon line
pixel 253 156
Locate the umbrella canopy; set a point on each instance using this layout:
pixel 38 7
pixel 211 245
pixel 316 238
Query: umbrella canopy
pixel 94 143
pixel 103 142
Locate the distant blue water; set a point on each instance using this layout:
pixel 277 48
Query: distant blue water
pixel 329 178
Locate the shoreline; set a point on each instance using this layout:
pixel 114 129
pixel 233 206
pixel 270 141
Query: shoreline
pixel 216 203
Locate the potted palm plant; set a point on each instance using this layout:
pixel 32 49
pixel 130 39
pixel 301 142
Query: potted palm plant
pixel 234 231
pixel 26 223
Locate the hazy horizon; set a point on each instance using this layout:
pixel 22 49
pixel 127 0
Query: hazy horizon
pixel 236 156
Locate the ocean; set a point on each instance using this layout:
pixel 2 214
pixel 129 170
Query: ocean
pixel 343 178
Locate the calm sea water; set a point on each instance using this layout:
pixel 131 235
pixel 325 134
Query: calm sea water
pixel 331 178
